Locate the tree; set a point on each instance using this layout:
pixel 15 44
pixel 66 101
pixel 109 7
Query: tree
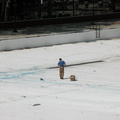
pixel 113 4
pixel 5 12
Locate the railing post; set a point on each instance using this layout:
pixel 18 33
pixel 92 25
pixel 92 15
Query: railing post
pixel 15 5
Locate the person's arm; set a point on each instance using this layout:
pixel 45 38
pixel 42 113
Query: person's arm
pixel 64 64
pixel 58 64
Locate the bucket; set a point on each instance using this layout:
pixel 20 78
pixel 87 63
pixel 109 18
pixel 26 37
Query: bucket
pixel 72 77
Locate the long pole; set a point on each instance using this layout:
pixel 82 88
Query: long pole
pixel 93 11
pixel 73 7
pixel 40 8
pixel 15 5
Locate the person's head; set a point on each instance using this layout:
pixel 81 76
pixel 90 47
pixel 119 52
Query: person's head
pixel 60 59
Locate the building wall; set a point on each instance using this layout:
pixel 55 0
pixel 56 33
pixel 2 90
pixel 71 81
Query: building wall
pixel 23 43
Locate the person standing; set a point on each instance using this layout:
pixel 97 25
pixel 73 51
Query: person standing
pixel 61 65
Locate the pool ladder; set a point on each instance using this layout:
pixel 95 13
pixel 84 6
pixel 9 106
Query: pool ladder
pixel 96 27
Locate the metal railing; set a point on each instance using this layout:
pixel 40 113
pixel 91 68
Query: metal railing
pixel 96 27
